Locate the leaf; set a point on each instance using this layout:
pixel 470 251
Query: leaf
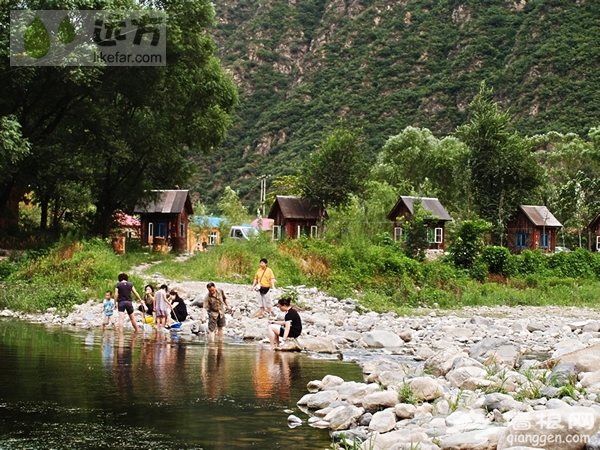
pixel 36 39
pixel 66 31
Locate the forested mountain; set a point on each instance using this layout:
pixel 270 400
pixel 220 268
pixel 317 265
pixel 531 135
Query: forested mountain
pixel 301 65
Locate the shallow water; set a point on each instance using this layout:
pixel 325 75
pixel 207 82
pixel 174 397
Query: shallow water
pixel 84 390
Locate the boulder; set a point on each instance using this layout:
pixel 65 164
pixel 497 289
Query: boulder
pixel 393 438
pixel 376 400
pixel 318 344
pixel 466 377
pixel 405 410
pixel 321 399
pixel 331 381
pixel 441 362
pixel 383 421
pixel 502 403
pixel 555 429
pixel 473 440
pixel 585 359
pixel 344 417
pixel 497 348
pixel 425 388
pixel 382 339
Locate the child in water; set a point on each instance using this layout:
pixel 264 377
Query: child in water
pixel 108 306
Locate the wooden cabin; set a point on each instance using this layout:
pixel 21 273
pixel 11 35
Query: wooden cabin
pixel 294 217
pixel 404 209
pixel 165 220
pixel 128 226
pixel 533 227
pixel 206 233
pixel 594 229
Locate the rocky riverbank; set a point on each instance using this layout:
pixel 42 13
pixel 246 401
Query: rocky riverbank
pixel 475 378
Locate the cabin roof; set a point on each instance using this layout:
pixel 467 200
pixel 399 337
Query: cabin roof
pixel 295 208
pixel 540 216
pixel 428 203
pixel 168 202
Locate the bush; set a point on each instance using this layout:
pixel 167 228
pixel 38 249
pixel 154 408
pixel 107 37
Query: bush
pixel 480 270
pixel 495 257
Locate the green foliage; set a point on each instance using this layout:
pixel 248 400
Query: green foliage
pixel 495 257
pixel 337 170
pixel 406 394
pixel 68 273
pixel 415 230
pixel 105 137
pixel 504 173
pixel 469 242
pixel 231 207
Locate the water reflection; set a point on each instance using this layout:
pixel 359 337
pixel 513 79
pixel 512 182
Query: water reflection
pixel 272 374
pixel 213 371
pixel 171 392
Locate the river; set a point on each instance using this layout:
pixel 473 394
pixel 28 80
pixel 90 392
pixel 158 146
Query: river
pixel 81 389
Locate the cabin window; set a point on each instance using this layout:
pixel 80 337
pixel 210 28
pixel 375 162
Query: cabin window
pixel 182 229
pixel 128 234
pixel 397 234
pixel 162 229
pixel 276 232
pixel 544 240
pixel 598 243
pixel 150 232
pixel 521 240
pixel 212 238
pixel 434 235
pixel 313 231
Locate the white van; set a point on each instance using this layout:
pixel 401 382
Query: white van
pixel 243 232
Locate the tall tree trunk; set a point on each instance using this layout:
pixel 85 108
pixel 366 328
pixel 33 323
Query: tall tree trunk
pixel 44 213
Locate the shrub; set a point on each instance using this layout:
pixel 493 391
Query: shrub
pixel 495 256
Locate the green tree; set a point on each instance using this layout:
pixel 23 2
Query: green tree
pixel 504 173
pixel 417 163
pixel 336 171
pixel 13 148
pixel 469 242
pixel 416 232
pixel 119 132
pixel 231 207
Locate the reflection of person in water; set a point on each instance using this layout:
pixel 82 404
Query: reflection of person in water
pixel 213 372
pixel 272 374
pixel 123 365
pixel 107 351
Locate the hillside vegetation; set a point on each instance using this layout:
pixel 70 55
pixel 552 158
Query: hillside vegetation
pixel 384 65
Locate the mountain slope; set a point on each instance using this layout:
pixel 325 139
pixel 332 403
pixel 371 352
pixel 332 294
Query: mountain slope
pixel 301 65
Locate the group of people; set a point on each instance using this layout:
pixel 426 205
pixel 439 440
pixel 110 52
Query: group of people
pixel 158 305
pixel 215 305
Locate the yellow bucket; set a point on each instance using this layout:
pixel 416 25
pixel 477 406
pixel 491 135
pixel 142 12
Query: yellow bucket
pixel 149 320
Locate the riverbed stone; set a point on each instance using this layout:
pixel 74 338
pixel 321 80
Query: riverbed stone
pixel 317 344
pixel 425 388
pixel 344 417
pixel 585 359
pixel 493 347
pixel 321 399
pixel 376 400
pixel 502 402
pixel 382 339
pixel 474 440
pixel 405 410
pixel 440 363
pixel 383 421
pixel 558 428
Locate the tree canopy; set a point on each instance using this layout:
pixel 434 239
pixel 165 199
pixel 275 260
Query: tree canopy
pixel 110 134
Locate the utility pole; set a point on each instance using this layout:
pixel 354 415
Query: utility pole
pixel 263 191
